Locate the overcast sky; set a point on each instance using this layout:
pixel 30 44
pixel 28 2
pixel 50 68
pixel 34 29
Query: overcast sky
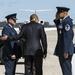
pixel 14 6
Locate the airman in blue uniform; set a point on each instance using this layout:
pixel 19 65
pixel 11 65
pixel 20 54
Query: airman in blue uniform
pixel 9 51
pixel 64 48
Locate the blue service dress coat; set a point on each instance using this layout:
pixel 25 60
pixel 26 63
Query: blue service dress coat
pixel 65 37
pixel 10 47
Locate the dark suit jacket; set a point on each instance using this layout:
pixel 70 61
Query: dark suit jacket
pixel 35 37
pixel 8 45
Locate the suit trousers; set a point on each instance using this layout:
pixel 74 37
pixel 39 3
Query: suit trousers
pixel 10 67
pixel 33 64
pixel 66 65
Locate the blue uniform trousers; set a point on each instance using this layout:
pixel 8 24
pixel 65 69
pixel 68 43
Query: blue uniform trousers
pixel 66 65
pixel 10 66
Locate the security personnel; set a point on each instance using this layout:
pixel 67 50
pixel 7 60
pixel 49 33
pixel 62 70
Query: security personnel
pixel 9 50
pixel 35 47
pixel 64 48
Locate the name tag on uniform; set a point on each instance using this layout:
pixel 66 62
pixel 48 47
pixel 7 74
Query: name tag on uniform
pixel 60 27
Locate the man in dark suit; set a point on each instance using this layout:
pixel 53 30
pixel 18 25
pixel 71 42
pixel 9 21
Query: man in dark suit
pixel 64 48
pixel 35 47
pixel 9 52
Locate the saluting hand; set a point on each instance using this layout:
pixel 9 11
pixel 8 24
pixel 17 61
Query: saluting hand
pixel 66 55
pixel 57 16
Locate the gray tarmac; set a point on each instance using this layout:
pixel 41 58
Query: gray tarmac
pixel 50 64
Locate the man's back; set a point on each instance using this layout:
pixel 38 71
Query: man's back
pixel 34 33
